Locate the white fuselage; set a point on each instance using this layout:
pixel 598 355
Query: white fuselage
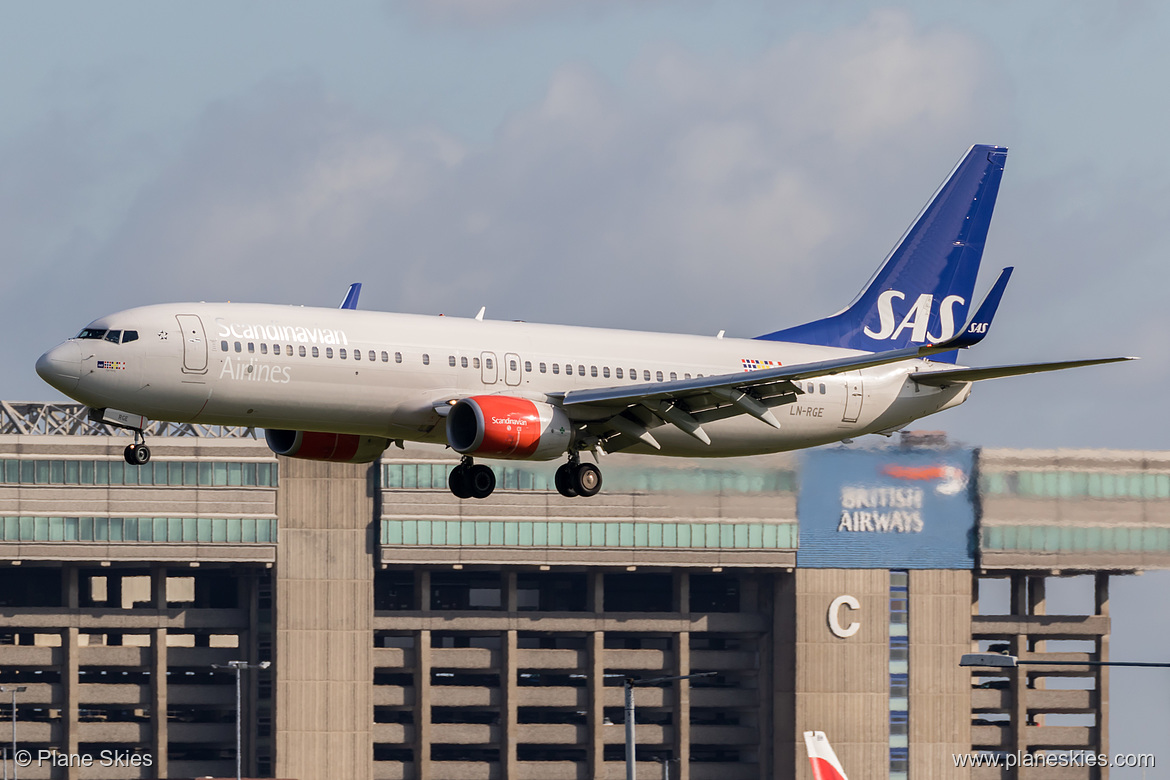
pixel 380 374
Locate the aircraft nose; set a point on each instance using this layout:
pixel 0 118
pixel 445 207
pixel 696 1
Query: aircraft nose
pixel 61 366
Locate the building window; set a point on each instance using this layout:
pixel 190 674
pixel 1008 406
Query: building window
pixel 899 674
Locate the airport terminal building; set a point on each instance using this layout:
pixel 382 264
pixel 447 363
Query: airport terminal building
pixel 413 635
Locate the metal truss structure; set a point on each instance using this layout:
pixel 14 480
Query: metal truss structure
pixel 48 419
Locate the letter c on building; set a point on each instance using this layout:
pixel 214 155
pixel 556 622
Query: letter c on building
pixel 835 626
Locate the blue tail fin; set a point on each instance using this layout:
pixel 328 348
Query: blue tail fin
pixel 922 292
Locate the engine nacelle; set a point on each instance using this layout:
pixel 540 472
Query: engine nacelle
pixel 333 447
pixel 501 426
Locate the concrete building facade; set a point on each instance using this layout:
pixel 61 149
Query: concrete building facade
pixel 413 635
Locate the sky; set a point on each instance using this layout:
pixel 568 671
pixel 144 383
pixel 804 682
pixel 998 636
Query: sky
pixel 685 166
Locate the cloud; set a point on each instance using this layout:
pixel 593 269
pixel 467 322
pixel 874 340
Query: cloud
pixel 692 194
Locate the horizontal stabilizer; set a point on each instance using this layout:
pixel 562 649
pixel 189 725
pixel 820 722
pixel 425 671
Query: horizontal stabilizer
pixel 961 375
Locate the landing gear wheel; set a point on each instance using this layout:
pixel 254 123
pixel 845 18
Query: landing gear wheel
pixel 481 481
pixel 563 480
pixel 137 454
pixel 586 480
pixel 458 482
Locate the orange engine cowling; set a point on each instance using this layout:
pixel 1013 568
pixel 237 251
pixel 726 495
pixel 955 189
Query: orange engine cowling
pixel 334 447
pixel 501 426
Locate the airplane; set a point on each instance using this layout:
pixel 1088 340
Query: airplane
pixel 343 384
pixel 825 765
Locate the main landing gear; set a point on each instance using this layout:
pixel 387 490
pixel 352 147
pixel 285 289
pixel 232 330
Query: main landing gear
pixel 468 480
pixel 578 479
pixel 137 454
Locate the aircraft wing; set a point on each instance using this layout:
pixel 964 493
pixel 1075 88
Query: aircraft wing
pixel 961 375
pixel 632 410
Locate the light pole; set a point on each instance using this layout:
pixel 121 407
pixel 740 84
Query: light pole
pixel 239 666
pixel 629 691
pixel 13 689
pixel 1001 661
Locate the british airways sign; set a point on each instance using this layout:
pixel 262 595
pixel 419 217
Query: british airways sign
pixel 917 319
pixel 887 508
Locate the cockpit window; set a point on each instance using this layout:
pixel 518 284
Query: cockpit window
pixel 114 336
pixel 129 335
pixel 92 333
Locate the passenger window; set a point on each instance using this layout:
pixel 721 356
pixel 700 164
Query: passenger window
pixel 646 375
pixel 634 374
pixel 129 335
pixel 264 348
pixel 451 360
pixel 288 349
pixel 385 357
pixel 488 363
pixel 528 366
pixel 592 370
pixel 373 356
pixel 617 372
pixel 658 375
pixel 427 360
pixel 301 351
pixel 569 369
pixel 822 388
pixel 275 348
pixel 605 371
pixel 686 376
pixel 556 368
pixel 543 368
pixel 475 363
pixel 357 354
pixel 251 347
pixel 463 362
pixel 316 352
pixel 809 388
pixel 223 347
pixel 397 357
pixel 116 335
pixel 329 352
pixel 239 347
pixel 673 376
pixel 580 370
pixel 512 365
pixel 341 353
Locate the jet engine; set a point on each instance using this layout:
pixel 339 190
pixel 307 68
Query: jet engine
pixel 500 426
pixel 334 447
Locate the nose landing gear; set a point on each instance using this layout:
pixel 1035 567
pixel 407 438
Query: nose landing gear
pixel 469 480
pixel 137 454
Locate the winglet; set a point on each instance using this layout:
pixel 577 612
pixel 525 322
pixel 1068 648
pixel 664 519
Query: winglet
pixel 825 765
pixel 980 324
pixel 351 297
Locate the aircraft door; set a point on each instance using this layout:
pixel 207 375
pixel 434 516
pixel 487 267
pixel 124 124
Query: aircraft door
pixel 194 344
pixel 488 363
pixel 511 369
pixel 854 395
